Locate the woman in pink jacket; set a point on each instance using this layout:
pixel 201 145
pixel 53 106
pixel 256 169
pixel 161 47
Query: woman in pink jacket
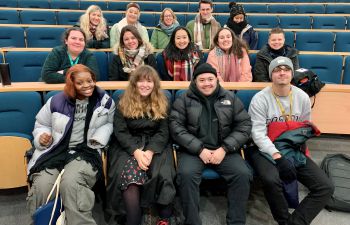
pixel 229 56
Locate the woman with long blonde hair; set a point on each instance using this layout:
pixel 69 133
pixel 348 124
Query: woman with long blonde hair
pixel 95 28
pixel 141 167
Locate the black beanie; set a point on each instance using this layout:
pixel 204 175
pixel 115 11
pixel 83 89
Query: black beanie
pixel 203 68
pixel 236 9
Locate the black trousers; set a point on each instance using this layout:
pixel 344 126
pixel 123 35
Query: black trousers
pixel 310 175
pixel 234 171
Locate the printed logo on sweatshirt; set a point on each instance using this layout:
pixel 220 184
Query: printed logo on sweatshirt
pixel 226 102
pixel 281 119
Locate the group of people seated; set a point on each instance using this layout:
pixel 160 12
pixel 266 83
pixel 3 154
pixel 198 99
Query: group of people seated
pixel 207 122
pixel 183 47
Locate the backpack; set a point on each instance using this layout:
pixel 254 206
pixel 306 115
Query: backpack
pixel 307 81
pixel 337 167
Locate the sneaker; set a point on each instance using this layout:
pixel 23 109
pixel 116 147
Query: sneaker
pixel 163 222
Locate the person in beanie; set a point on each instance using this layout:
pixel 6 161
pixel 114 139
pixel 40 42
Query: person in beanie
pixel 210 125
pixel 204 26
pixel 283 102
pixel 275 47
pixel 237 22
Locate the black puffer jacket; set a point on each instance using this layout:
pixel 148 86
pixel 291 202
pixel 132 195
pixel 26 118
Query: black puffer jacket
pixel 263 59
pixel 234 122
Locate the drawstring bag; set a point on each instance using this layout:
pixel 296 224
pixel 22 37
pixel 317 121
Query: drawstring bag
pixel 307 81
pixel 51 213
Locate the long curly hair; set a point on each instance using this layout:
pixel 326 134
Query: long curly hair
pixel 237 44
pixel 132 105
pixel 101 29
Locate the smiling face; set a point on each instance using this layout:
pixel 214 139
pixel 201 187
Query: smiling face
pixel 75 42
pixel 206 83
pixel 84 85
pixel 145 86
pixel 281 75
pixel 225 40
pixel 168 18
pixel 130 41
pixel 95 18
pixel 132 15
pixel 205 10
pixel 181 39
pixel 276 41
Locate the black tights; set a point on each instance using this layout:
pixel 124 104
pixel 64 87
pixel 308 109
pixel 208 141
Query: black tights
pixel 131 198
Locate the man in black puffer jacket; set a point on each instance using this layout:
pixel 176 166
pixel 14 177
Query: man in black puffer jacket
pixel 210 125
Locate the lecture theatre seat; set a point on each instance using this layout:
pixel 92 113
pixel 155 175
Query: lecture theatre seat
pixel 38 17
pixel 9 17
pixel 150 7
pixel 17 119
pixel 68 18
pixel 263 21
pixel 175 7
pixel 280 8
pixel 117 6
pixel 65 4
pixel 44 37
pixel 295 22
pixel 255 8
pixel 25 66
pixel 310 9
pixel 327 67
pixel 43 4
pixel 314 41
pixel 337 9
pixel 102 61
pixel 342 42
pixel 12 37
pixel 329 22
pixel 346 77
pixel 7 3
pixel 86 4
pixel 148 20
pixel 112 18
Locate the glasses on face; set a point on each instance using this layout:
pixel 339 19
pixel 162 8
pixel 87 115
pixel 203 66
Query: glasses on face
pixel 280 68
pixel 168 16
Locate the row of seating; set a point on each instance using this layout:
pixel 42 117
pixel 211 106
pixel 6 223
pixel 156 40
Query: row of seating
pixel 25 66
pixel 152 19
pixel 48 37
pixel 328 8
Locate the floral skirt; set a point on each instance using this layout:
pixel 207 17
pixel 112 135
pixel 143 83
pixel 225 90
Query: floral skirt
pixel 132 174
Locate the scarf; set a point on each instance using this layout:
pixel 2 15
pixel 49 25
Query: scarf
pixel 168 29
pixel 229 65
pixel 199 35
pixel 236 27
pixel 182 70
pixel 92 29
pixel 279 52
pixel 131 59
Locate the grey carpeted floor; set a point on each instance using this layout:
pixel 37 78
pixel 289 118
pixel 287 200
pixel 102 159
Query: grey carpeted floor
pixel 213 206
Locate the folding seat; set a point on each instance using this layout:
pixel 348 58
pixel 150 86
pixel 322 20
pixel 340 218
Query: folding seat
pixel 68 18
pixel 38 17
pixel 7 3
pixel 281 8
pixel 329 22
pixel 17 118
pixel 251 8
pixel 9 17
pixel 176 7
pixel 150 7
pixel 112 17
pixel 246 96
pixel 222 19
pixel 263 21
pixel 25 66
pixel 327 67
pixel 148 20
pixel 117 6
pixel 346 76
pixel 181 18
pixel 44 37
pixel 295 22
pixel 192 7
pixel 252 59
pixel 314 41
pixel 12 37
pixel 65 4
pixel 221 8
pixel 342 42
pixel 310 9
pixel 337 9
pixel 86 4
pixel 190 17
pixel 102 61
pixel 309 1
pixel 43 4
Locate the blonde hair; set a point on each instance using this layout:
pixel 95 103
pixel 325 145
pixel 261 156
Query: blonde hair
pixel 132 105
pixel 172 13
pixel 101 29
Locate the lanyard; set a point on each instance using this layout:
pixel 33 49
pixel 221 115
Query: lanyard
pixel 73 62
pixel 282 109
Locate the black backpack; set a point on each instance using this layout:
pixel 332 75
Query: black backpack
pixel 308 81
pixel 337 167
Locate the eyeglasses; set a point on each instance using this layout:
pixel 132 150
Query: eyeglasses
pixel 280 68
